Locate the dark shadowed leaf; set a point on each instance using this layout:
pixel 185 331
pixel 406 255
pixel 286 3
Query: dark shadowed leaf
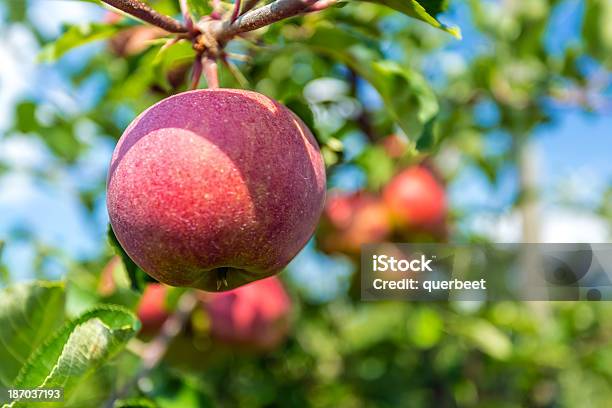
pixel 137 276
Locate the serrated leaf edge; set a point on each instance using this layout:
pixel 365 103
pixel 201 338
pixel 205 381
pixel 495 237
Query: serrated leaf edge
pixel 68 326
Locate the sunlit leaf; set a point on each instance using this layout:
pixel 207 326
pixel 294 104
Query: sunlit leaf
pixel 77 36
pixel 424 10
pixel 135 403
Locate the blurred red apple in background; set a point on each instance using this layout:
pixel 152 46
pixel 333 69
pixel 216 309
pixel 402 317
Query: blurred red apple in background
pixel 110 17
pixel 351 220
pixel 151 309
pixel 416 199
pixel 133 40
pixel 395 146
pixel 107 284
pixel 254 316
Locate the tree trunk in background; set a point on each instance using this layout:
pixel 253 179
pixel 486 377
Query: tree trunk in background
pixel 530 211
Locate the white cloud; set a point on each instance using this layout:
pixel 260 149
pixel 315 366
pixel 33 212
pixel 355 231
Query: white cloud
pixel 556 225
pixel 20 152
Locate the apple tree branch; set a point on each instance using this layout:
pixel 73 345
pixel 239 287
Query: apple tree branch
pixel 145 13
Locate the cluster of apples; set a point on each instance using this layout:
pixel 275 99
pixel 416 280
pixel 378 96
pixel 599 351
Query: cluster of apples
pixel 411 206
pixel 254 317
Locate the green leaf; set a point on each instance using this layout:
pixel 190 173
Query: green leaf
pixel 77 36
pixel 488 338
pixel 25 117
pixel 199 8
pixel 78 348
pixel 597 32
pixel 5 275
pixel 424 10
pixel 135 403
pixel 29 313
pixel 407 95
pixel 377 164
pixel 137 276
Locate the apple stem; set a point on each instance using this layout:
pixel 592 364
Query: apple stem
pixel 211 72
pixel 222 277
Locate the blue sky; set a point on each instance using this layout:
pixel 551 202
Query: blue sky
pixel 573 154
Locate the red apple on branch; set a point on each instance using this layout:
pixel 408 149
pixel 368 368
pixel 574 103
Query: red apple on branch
pixel 215 188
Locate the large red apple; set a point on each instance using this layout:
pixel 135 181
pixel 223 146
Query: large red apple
pixel 351 220
pixel 255 316
pixel 416 199
pixel 151 309
pixel 213 189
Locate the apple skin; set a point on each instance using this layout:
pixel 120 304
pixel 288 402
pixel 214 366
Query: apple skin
pixel 351 220
pixel 215 186
pixel 254 317
pixel 151 309
pixel 417 200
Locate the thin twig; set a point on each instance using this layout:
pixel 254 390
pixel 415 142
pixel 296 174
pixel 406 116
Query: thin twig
pixel 145 13
pixel 266 15
pixel 197 72
pixel 211 72
pixel 186 15
pixel 238 57
pixel 169 43
pixel 236 73
pixel 236 11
